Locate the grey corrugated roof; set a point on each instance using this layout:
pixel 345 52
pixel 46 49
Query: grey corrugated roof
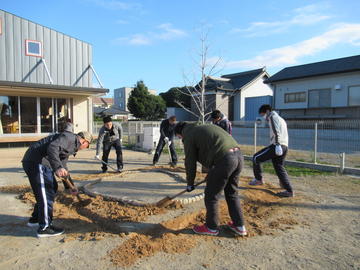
pixel 240 79
pixel 340 65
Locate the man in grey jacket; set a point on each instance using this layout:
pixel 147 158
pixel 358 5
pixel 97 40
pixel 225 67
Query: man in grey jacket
pixel 276 151
pixel 110 135
pixel 41 161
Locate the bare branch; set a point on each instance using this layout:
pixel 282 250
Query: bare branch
pixel 186 109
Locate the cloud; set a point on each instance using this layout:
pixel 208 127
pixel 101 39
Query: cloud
pixel 135 40
pixel 115 4
pixel 168 32
pixel 290 55
pixel 303 16
pixel 121 21
pixel 164 32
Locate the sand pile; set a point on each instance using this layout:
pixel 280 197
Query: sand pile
pixel 262 209
pixel 262 213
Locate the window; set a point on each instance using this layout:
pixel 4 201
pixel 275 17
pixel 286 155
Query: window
pixel 28 114
pixel 354 96
pixel 9 120
pixel 33 48
pixel 62 114
pixel 320 98
pixel 46 115
pixel 295 97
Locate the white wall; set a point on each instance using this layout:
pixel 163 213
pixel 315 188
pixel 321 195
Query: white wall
pixel 82 114
pixel 338 98
pixel 256 89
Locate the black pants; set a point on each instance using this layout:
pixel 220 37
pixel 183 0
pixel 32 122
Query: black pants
pixel 44 186
pixel 278 162
pixel 224 176
pixel 106 151
pixel 160 147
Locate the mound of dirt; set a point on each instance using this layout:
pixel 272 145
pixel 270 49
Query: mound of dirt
pixel 15 189
pixel 262 216
pixel 263 212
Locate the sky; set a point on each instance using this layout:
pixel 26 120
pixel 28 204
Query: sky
pixel 159 41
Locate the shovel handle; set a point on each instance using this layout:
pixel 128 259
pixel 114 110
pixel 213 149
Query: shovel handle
pixel 182 192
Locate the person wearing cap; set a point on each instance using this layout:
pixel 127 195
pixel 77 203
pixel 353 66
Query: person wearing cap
pixel 110 135
pixel 213 148
pixel 41 161
pixel 221 120
pixel 166 137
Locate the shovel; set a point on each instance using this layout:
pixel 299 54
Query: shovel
pixel 67 179
pixel 167 200
pixel 107 164
pixel 170 158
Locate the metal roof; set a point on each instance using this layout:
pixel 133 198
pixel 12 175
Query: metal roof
pixel 24 86
pixel 241 79
pixel 340 65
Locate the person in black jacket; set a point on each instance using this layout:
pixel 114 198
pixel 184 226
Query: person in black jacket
pixel 166 136
pixel 221 120
pixel 44 158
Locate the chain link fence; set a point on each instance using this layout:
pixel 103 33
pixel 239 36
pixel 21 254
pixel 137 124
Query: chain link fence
pixel 324 142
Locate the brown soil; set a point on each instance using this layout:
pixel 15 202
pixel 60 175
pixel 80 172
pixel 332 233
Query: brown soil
pixel 261 212
pixel 100 219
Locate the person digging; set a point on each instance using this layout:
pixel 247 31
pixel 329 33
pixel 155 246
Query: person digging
pixel 221 120
pixel 41 161
pixel 110 135
pixel 215 149
pixel 276 151
pixel 166 137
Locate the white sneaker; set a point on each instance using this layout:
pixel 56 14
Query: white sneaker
pixel 256 182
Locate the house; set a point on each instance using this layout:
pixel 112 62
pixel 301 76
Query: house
pixel 103 102
pixel 321 90
pixel 112 111
pixel 46 78
pixel 121 97
pixel 237 95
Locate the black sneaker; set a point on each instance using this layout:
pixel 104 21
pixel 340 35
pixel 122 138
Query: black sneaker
pixel 104 170
pixel 50 231
pixel 120 168
pixel 285 194
pixel 33 222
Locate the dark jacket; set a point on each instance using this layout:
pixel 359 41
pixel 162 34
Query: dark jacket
pixel 106 135
pixel 166 129
pixel 206 144
pixel 225 124
pixel 53 151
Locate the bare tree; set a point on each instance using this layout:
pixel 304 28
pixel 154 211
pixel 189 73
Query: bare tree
pixel 206 67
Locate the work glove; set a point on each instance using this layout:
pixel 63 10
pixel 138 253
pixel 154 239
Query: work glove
pixel 190 188
pixel 166 139
pixel 97 157
pixel 120 140
pixel 169 143
pixel 278 150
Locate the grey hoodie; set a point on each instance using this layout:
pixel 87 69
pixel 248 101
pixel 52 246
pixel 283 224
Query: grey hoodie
pixel 278 129
pixel 106 135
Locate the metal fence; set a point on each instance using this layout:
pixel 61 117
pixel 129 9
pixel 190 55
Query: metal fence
pixel 327 142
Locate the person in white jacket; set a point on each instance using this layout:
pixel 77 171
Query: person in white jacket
pixel 276 151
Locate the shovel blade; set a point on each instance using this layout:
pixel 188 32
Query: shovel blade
pixel 164 202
